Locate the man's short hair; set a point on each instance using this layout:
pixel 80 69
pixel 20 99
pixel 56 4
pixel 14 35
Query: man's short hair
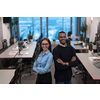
pixel 61 32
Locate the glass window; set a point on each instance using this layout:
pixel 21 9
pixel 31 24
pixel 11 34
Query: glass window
pixel 67 23
pixel 36 27
pixel 44 32
pixel 25 27
pixel 74 24
pixel 82 21
pixel 29 25
pixel 54 27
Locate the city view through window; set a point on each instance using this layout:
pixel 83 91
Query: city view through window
pixel 31 25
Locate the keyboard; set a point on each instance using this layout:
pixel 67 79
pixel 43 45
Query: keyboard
pixel 97 64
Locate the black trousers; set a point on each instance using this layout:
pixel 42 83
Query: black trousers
pixel 44 78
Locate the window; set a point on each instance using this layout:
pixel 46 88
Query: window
pixel 25 27
pixel 67 24
pixel 29 25
pixel 44 32
pixel 74 24
pixel 55 25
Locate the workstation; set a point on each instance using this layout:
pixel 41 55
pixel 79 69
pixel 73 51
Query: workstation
pixel 16 55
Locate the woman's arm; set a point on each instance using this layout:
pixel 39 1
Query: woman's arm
pixel 48 64
pixel 35 67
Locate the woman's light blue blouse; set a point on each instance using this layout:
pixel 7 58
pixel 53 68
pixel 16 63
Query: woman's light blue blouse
pixel 43 62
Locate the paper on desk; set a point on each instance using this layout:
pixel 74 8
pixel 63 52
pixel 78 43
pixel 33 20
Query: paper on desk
pixel 94 58
pixel 12 52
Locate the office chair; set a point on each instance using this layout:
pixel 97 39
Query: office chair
pixel 4 44
pixel 69 35
pixel 68 41
pixel 18 72
pixel 11 41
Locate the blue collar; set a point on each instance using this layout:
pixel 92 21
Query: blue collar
pixel 45 52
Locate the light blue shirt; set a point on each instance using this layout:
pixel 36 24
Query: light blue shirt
pixel 43 62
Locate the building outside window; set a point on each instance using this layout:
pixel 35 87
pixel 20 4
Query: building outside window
pixel 31 25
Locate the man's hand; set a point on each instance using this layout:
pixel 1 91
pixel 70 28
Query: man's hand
pixel 73 59
pixel 60 61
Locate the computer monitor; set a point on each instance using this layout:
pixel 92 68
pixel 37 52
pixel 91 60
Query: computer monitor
pixel 98 47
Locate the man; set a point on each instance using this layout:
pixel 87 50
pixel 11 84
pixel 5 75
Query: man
pixel 64 58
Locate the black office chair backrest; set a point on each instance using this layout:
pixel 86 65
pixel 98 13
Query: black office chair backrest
pixel 69 33
pixel 68 41
pixel 4 43
pixel 25 39
pixel 11 41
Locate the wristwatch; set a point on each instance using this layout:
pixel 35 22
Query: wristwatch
pixel 64 63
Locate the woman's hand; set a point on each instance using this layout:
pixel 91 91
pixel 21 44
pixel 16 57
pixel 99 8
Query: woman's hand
pixel 37 67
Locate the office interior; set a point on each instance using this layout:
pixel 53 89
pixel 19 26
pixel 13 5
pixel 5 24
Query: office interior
pixel 16 65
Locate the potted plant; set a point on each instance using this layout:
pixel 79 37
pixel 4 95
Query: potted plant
pixel 54 40
pixel 30 38
pixel 83 28
pixel 90 48
pixel 14 21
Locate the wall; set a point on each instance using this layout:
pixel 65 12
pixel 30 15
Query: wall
pixel 1 33
pixel 92 27
pixel 88 22
pixel 6 31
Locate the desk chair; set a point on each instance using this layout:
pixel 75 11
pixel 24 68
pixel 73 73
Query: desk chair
pixel 11 41
pixel 4 44
pixel 68 41
pixel 69 34
pixel 18 73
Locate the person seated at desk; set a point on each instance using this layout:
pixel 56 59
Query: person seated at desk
pixel 43 62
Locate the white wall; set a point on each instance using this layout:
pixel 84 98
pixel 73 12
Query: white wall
pixel 92 27
pixel 88 22
pixel 1 33
pixel 6 32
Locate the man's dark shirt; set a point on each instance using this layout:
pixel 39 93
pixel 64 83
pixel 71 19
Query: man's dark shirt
pixel 63 73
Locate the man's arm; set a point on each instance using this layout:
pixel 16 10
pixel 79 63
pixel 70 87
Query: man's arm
pixel 74 60
pixel 56 56
pixel 66 63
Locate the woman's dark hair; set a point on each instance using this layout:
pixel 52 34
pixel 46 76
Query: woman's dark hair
pixel 41 47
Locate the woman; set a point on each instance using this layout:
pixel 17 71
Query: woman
pixel 43 62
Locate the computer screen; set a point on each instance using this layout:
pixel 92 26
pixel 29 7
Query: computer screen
pixel 98 47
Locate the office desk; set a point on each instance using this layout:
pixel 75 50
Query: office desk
pixel 76 37
pixel 5 54
pixel 28 53
pixel 91 69
pixel 6 76
pixel 77 47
